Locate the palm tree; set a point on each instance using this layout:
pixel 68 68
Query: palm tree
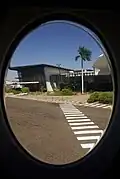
pixel 84 55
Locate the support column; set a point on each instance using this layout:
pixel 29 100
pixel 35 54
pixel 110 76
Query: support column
pixel 47 80
pixel 54 83
pixel 48 86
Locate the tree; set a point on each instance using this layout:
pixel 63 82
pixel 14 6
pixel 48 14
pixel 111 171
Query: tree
pixel 84 55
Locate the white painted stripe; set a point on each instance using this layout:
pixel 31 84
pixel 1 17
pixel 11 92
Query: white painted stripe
pixel 86 104
pixel 84 127
pixel 68 115
pixel 88 145
pixel 68 104
pixel 83 117
pixel 101 105
pixel 108 107
pixel 79 104
pixel 80 124
pixel 78 120
pixel 90 104
pixel 89 138
pixel 98 106
pixel 89 132
pixel 72 112
pixel 68 107
pixel 94 105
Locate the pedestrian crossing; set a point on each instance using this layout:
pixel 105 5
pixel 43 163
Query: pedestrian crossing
pixel 86 131
pixel 98 105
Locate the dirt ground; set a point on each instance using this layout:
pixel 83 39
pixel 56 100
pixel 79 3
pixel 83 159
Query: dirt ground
pixel 77 98
pixel 42 129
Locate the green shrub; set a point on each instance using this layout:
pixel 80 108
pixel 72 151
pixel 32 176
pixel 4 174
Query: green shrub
pixel 8 90
pixel 14 91
pixel 106 97
pixel 63 92
pixel 66 92
pixel 101 97
pixel 56 90
pixel 55 93
pixel 93 97
pixel 25 90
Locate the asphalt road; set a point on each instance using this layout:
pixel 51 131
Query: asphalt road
pixel 44 131
pixel 99 116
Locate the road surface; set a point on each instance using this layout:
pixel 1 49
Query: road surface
pixel 48 131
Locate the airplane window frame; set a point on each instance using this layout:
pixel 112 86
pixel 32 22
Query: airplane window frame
pixel 96 154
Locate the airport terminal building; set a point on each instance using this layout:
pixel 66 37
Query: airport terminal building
pixel 48 76
pixel 37 76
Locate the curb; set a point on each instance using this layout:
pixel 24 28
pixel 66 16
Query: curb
pixel 58 101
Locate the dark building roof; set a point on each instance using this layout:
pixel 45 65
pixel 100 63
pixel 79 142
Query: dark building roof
pixel 37 65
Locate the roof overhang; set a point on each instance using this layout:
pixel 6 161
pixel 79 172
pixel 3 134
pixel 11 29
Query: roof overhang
pixel 19 68
pixel 101 62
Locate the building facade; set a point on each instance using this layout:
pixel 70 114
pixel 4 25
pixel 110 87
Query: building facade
pixel 103 81
pixel 39 76
pixel 102 65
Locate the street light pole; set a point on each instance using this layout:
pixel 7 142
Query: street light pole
pixel 82 76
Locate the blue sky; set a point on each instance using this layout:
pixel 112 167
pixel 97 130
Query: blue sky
pixel 54 43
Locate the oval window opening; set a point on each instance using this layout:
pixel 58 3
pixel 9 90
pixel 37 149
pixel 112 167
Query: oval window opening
pixel 59 92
